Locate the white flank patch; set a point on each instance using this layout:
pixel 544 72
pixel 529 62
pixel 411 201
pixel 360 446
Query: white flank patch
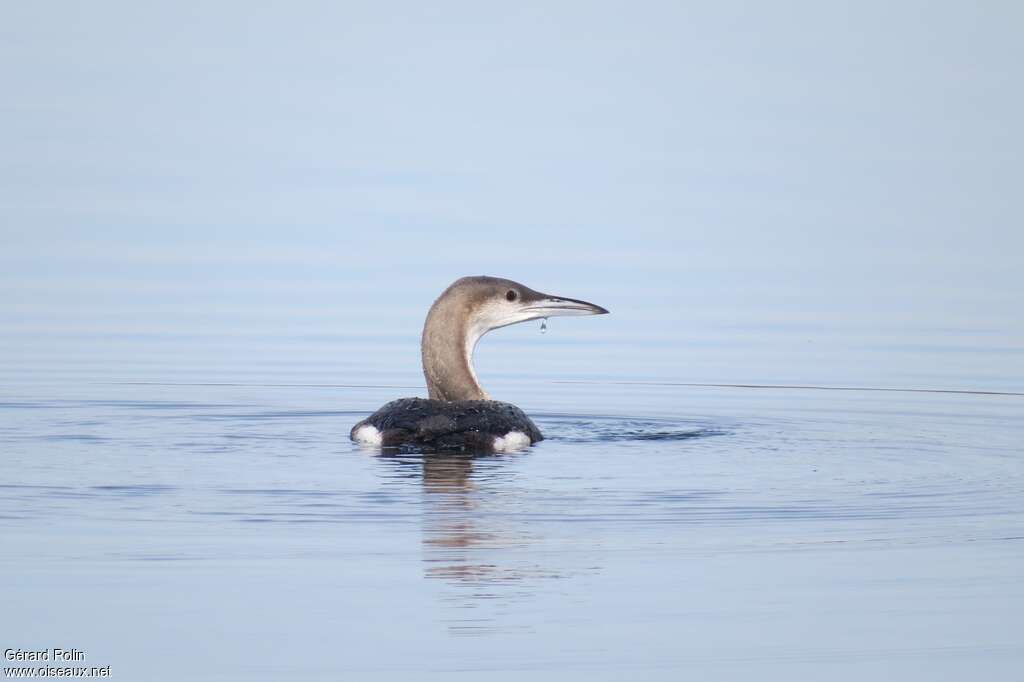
pixel 512 441
pixel 368 434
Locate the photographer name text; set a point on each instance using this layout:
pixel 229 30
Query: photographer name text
pixel 55 654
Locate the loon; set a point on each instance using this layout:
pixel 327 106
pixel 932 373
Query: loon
pixel 459 415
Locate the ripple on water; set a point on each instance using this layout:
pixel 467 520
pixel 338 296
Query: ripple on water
pixel 578 428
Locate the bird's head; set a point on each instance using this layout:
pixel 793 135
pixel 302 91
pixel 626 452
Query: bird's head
pixel 492 302
pixel 468 309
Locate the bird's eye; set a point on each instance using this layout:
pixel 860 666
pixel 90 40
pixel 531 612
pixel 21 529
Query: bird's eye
pixel 511 295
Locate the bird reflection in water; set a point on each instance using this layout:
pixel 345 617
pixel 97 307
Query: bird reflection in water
pixel 475 542
pixel 457 529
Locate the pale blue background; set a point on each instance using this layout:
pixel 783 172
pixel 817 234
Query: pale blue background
pixel 761 192
pixel 221 225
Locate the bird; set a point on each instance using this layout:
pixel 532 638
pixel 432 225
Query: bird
pixel 459 415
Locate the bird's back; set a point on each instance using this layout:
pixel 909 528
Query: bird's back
pixel 448 425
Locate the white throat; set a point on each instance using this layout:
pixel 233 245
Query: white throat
pixel 473 334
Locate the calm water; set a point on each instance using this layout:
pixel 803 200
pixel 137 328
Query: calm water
pixel 231 531
pixel 221 225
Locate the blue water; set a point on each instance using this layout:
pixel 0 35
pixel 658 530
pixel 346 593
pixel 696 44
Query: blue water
pixel 232 531
pixel 792 451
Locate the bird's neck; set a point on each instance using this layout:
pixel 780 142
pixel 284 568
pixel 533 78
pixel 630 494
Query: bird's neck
pixel 449 338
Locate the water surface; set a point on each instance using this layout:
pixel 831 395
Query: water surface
pixel 660 531
pixel 221 226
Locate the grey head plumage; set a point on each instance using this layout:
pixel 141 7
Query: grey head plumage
pixel 468 309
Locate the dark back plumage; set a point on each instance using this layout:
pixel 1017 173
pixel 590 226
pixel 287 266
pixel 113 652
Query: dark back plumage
pixel 448 425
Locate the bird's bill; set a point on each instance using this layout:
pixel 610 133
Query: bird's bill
pixel 554 306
